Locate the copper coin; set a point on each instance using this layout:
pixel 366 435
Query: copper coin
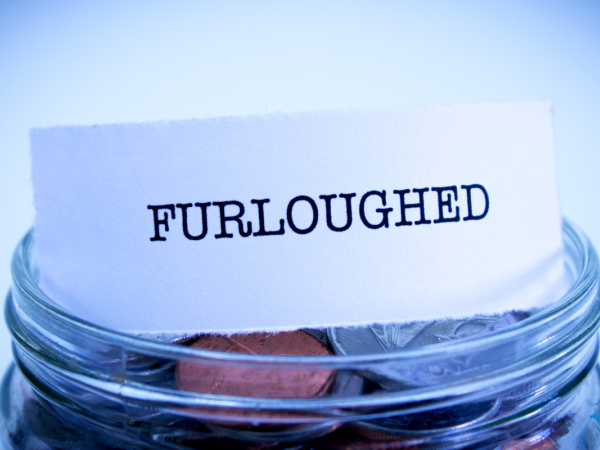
pixel 534 443
pixel 248 381
pixel 378 435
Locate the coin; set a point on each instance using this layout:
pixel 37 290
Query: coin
pixel 530 444
pixel 393 337
pixel 250 381
pixel 378 338
pixel 429 423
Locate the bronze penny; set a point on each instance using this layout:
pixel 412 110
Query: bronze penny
pixel 530 444
pixel 252 381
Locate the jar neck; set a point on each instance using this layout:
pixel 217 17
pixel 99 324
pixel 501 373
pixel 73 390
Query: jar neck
pixel 516 379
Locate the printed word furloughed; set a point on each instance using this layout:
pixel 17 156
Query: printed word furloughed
pixel 446 212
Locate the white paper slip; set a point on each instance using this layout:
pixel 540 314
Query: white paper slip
pixel 283 221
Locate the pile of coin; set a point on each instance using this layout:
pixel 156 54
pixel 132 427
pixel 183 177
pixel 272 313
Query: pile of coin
pixel 378 338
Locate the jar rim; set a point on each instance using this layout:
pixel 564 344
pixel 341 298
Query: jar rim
pixel 577 247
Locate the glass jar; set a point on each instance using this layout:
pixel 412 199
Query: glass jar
pixel 532 385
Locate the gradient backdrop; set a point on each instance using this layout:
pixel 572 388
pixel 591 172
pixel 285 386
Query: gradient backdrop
pixel 67 62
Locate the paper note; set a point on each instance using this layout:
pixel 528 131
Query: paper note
pixel 282 221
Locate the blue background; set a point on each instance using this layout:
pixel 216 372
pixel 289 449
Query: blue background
pixel 65 62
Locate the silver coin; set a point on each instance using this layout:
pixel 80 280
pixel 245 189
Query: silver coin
pixel 430 423
pixel 318 333
pixel 378 338
pixel 393 337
